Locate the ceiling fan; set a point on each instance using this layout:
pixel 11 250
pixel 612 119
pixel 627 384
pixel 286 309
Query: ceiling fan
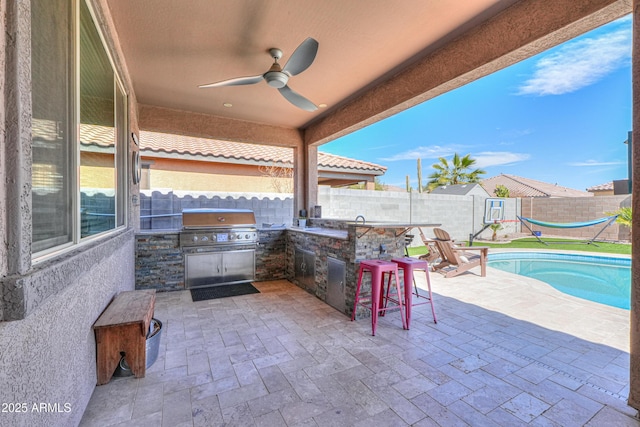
pixel 278 76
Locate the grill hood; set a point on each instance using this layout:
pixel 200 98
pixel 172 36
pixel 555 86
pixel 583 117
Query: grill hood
pixel 217 218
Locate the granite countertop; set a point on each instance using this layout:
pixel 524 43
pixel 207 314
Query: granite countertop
pixel 159 231
pixel 319 231
pixel 375 224
pixel 273 228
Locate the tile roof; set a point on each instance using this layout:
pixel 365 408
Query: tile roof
pixel 525 187
pixel 457 189
pixel 43 129
pixel 90 135
pixel 180 144
pixel 97 136
pixel 602 187
pixel 103 136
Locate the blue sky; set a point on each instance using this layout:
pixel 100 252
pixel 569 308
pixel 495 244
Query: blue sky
pixel 561 117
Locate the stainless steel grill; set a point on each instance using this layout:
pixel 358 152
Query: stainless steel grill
pixel 218 246
pixel 215 227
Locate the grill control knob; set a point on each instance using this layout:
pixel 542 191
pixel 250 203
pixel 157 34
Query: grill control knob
pixel 246 236
pixel 195 238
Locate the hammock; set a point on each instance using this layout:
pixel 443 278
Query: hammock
pixel 609 220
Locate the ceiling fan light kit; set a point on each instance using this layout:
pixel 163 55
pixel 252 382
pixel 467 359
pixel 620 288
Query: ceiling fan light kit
pixel 278 77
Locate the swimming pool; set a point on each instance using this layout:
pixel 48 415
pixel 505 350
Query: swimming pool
pixel 606 280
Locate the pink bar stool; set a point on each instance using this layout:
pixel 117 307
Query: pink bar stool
pixel 377 268
pixel 409 265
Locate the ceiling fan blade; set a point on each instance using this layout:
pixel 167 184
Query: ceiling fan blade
pixel 297 99
pixel 239 81
pixel 302 57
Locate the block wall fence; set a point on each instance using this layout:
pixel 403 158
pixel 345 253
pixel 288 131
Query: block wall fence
pixel 459 215
pixel 577 209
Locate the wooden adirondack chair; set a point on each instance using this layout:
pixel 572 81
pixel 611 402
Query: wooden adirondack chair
pixel 434 254
pixel 457 259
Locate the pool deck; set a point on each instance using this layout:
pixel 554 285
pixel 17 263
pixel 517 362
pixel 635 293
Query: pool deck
pixel 507 351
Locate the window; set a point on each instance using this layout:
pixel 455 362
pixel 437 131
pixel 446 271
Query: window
pixel 78 177
pixel 52 95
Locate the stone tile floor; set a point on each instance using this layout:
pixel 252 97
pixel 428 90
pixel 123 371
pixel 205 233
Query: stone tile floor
pixel 507 351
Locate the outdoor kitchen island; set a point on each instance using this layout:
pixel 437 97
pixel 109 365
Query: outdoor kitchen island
pixel 323 258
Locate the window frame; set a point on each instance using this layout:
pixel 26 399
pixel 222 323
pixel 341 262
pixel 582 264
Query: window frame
pixel 121 144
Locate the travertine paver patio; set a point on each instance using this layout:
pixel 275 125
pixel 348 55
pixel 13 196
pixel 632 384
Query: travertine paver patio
pixel 507 351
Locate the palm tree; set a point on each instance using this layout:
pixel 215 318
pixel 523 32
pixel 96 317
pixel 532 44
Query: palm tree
pixel 625 217
pixel 495 228
pixel 456 172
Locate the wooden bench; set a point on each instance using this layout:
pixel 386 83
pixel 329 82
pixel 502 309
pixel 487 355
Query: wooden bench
pixel 123 327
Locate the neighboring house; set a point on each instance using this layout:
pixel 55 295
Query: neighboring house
pixel 602 189
pixel 388 187
pixel 612 188
pixel 525 187
pixel 461 190
pixel 198 164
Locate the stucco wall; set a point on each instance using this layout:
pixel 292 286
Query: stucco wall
pixel 49 357
pixel 47 309
pixel 3 146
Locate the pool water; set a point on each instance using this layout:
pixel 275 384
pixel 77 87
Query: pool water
pixel 605 280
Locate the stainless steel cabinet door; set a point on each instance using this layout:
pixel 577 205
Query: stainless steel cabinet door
pixel 219 268
pixel 239 266
pixel 335 283
pixel 202 269
pixel 305 268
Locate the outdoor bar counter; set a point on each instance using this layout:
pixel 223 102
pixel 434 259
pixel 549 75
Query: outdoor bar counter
pixel 323 258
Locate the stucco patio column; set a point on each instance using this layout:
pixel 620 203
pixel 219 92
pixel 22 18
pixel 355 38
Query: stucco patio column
pixel 634 321
pixel 305 175
pixel 299 165
pixel 311 180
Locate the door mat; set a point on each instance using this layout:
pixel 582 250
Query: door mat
pixel 223 291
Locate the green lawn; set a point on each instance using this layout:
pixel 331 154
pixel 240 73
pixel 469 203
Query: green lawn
pixel 533 243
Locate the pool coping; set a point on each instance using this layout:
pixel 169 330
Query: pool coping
pixel 616 259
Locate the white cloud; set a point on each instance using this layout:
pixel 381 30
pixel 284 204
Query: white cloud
pixel 496 158
pixel 579 64
pixel 484 159
pixel 590 163
pixel 515 133
pixel 430 152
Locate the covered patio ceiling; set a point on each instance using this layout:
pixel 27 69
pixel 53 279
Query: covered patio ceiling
pixel 375 58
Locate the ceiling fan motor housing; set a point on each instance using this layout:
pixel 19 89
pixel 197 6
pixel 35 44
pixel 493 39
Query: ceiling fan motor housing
pixel 276 79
